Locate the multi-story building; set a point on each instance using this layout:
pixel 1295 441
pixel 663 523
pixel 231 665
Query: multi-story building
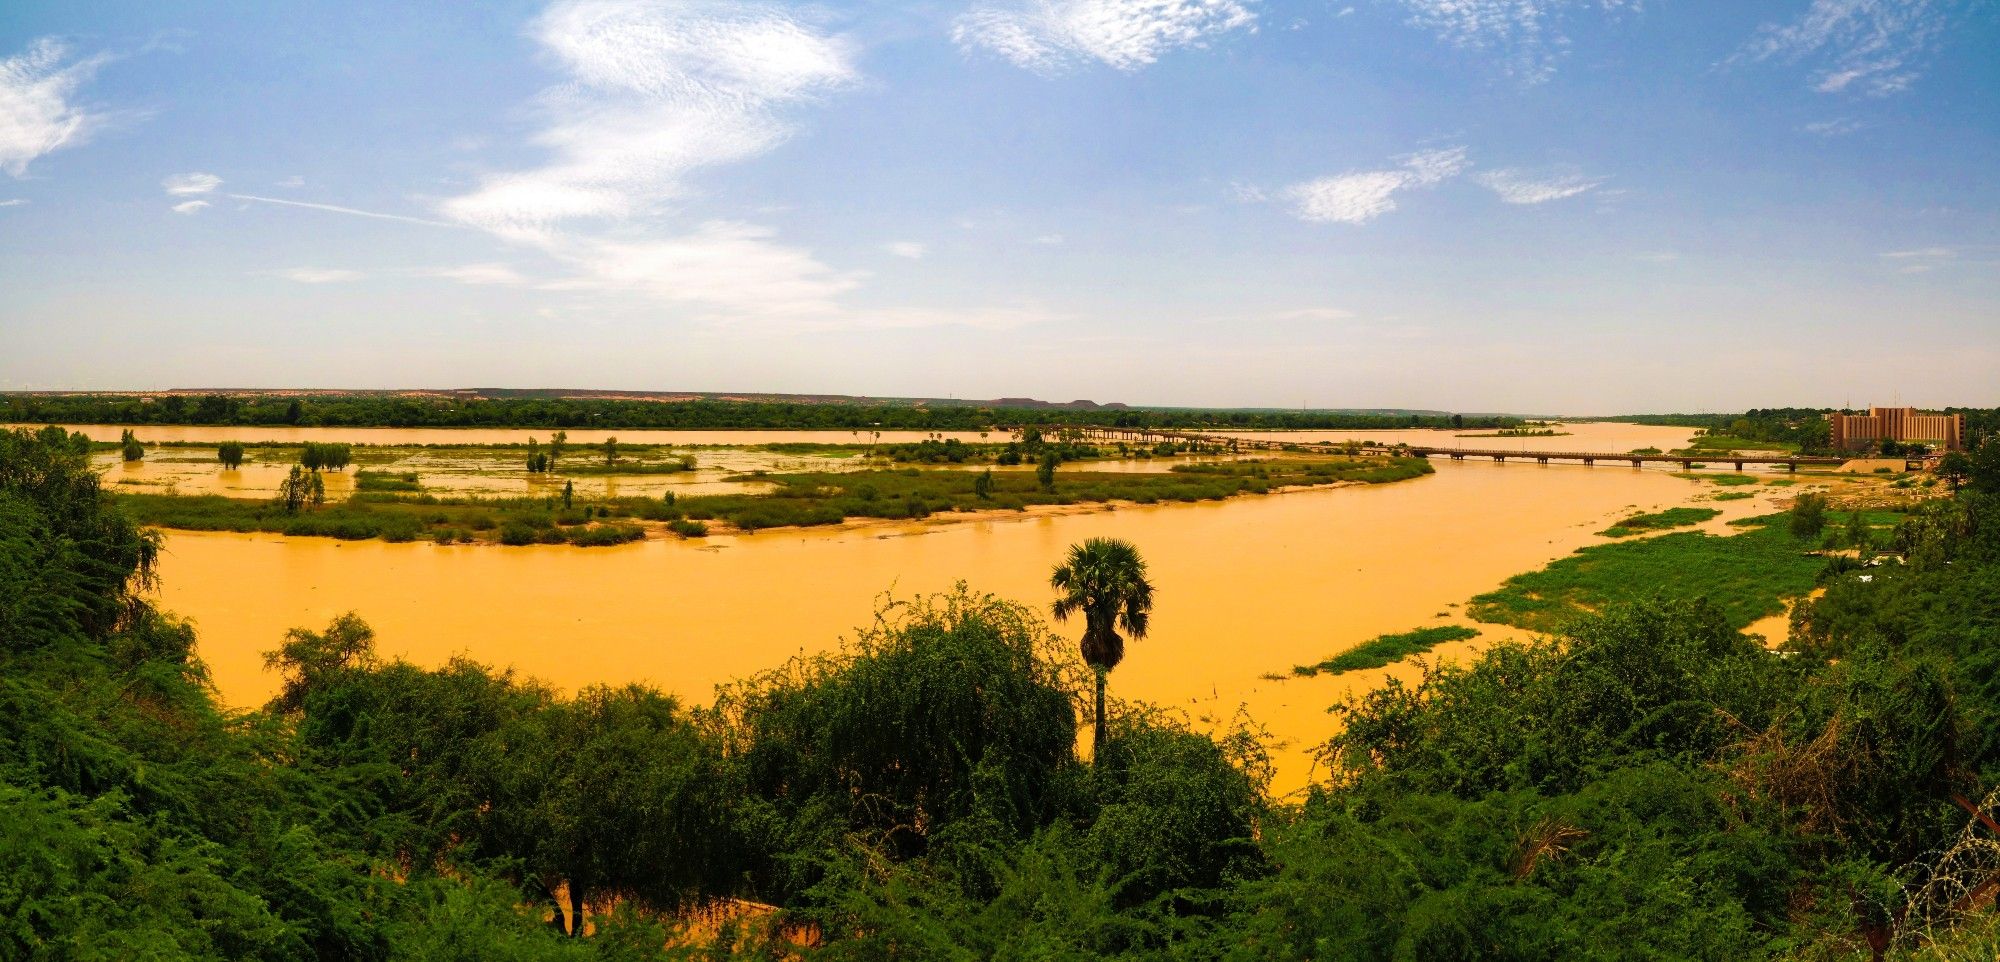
pixel 1903 425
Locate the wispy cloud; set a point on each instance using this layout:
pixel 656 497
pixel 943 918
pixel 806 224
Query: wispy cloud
pixel 656 90
pixel 909 249
pixel 1837 127
pixel 723 265
pixel 1874 47
pixel 13 202
pixel 292 181
pixel 482 274
pixel 190 185
pixel 1362 196
pixel 1050 240
pixel 1921 260
pixel 1049 35
pixel 190 206
pixel 337 209
pixel 1527 35
pixel 318 275
pixel 1516 186
pixel 37 112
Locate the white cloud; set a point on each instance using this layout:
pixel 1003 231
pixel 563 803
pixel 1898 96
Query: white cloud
pixel 1921 260
pixel 190 206
pixel 318 275
pixel 1526 34
pixel 1525 187
pixel 13 202
pixel 37 116
pixel 723 265
pixel 292 181
pixel 1048 35
pixel 1357 198
pixel 337 209
pixel 190 185
pixel 1837 127
pixel 656 91
pixel 1868 46
pixel 488 273
pixel 909 249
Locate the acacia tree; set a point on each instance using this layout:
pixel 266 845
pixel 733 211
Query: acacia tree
pixel 610 451
pixel 130 448
pixel 983 484
pixel 296 489
pixel 556 443
pixel 230 453
pixel 1104 579
pixel 1045 472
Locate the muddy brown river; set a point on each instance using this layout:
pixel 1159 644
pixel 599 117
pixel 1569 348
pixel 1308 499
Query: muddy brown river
pixel 1245 588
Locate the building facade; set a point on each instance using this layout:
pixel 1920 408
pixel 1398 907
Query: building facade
pixel 1853 432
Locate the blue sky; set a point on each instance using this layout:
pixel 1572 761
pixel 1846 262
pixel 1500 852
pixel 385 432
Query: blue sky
pixel 1564 206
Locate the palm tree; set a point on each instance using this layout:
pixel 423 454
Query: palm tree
pixel 1105 579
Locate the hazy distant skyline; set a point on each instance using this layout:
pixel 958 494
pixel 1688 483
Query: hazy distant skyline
pixel 1546 206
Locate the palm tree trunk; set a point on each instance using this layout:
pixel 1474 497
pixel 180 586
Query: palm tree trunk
pixel 1097 731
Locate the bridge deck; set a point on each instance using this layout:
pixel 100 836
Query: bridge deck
pixel 1155 435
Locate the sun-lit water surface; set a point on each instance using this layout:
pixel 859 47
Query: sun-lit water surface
pixel 1246 587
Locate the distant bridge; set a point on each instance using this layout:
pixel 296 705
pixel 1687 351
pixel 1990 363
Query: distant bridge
pixel 1157 435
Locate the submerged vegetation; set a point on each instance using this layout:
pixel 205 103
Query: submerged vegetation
pixel 388 506
pixel 1659 521
pixel 1644 781
pixel 1744 576
pixel 1387 649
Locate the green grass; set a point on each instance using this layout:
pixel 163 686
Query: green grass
pixel 1658 521
pixel 819 498
pixel 386 481
pixel 385 516
pixel 1725 480
pixel 1731 496
pixel 1747 575
pixel 1387 649
pixel 815 498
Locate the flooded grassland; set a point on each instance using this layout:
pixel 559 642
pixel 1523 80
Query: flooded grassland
pixel 1247 588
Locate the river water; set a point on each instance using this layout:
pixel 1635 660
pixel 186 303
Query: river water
pixel 1245 588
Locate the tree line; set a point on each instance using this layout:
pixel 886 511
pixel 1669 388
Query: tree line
pixel 398 411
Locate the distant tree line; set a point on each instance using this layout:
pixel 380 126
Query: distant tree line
pixel 388 411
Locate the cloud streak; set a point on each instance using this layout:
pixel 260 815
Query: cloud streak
pixel 37 112
pixel 336 209
pixel 1515 186
pixel 1874 47
pixel 318 275
pixel 190 185
pixel 1362 196
pixel 1048 36
pixel 1527 35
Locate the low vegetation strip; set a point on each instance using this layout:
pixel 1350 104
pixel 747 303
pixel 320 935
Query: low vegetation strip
pixel 387 509
pixel 1387 649
pixel 1659 521
pixel 1746 576
pixel 818 498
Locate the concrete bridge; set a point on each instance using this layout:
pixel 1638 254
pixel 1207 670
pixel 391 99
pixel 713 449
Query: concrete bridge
pixel 1157 435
